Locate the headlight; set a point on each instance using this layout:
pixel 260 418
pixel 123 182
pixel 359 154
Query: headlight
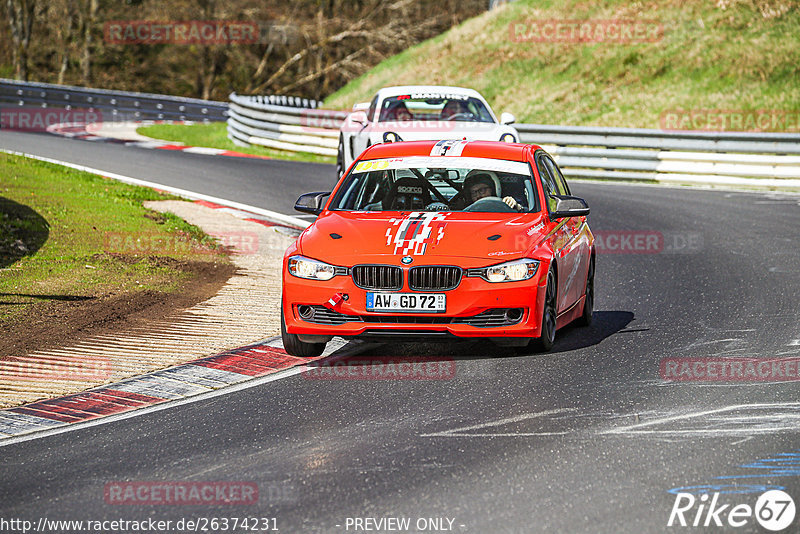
pixel 508 138
pixel 311 269
pixel 391 137
pixel 512 271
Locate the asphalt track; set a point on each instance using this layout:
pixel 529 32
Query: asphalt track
pixel 586 438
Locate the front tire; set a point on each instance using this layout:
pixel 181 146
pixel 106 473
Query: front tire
pixel 548 333
pixel 295 347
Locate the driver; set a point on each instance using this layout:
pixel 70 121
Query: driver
pixel 453 108
pixel 398 112
pixel 480 186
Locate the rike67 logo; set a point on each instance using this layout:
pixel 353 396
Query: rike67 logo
pixel 774 510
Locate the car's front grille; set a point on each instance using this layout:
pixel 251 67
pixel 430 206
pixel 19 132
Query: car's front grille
pixel 434 277
pixel 322 315
pixel 493 318
pixel 378 277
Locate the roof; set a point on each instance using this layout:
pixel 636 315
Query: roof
pixel 473 149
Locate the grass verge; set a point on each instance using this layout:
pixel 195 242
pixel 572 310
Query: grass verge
pixel 215 135
pixel 728 55
pixel 67 235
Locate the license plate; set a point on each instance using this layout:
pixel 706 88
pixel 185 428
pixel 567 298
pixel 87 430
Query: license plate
pixel 406 302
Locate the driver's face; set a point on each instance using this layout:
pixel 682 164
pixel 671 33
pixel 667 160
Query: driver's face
pixel 479 191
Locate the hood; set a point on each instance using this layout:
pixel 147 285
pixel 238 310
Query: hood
pixel 469 239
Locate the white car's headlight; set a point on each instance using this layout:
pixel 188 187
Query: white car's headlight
pixel 302 267
pixel 391 137
pixel 512 271
pixel 508 138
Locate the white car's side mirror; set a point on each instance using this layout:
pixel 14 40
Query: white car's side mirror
pixel 361 106
pixel 359 117
pixel 507 118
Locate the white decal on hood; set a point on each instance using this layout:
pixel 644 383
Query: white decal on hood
pixel 413 234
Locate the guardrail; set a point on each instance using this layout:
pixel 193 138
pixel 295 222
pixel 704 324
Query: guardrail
pixel 120 105
pixel 272 123
pixel 721 158
pixel 298 125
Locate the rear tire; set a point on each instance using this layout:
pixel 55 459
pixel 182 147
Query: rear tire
pixel 295 347
pixel 588 300
pixel 544 342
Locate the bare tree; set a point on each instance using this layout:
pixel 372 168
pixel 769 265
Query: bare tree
pixel 88 22
pixel 20 19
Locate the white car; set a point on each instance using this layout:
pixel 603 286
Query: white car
pixel 420 113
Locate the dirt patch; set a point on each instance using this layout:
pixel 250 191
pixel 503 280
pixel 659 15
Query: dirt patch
pixel 55 321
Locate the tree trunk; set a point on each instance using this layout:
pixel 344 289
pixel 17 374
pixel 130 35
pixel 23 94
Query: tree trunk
pixel 89 22
pixel 20 21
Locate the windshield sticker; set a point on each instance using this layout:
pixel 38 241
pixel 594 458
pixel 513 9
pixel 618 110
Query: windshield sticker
pixel 450 147
pixel 448 96
pixel 411 235
pixel 436 162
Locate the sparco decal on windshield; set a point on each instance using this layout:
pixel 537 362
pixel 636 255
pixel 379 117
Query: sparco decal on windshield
pixel 413 234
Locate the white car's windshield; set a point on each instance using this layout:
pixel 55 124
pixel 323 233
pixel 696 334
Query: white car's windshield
pixel 434 107
pixel 423 183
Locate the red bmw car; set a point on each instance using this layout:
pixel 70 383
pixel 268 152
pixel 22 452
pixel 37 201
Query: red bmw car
pixel 447 239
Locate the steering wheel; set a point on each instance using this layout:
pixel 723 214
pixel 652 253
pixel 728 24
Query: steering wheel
pixel 462 114
pixel 491 204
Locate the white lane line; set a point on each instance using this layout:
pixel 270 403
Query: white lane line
pixel 248 382
pixel 272 216
pixel 464 431
pixel 156 407
pixel 637 428
pixel 794 343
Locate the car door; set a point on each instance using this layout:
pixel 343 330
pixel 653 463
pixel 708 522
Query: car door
pixel 560 235
pixel 578 249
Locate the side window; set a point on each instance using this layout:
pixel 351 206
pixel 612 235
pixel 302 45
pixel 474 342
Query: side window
pixel 561 184
pixel 548 183
pixel 371 111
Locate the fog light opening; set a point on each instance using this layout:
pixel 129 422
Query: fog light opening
pixel 306 312
pixel 513 315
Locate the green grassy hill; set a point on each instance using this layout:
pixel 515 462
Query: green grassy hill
pixel 714 54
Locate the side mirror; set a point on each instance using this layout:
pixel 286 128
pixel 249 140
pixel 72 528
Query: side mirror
pixel 507 118
pixel 359 117
pixel 312 202
pixel 570 207
pixel 361 106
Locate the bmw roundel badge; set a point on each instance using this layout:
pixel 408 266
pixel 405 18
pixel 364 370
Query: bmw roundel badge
pixel 406 260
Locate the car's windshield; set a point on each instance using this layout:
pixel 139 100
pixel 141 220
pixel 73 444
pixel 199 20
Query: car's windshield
pixel 438 183
pixel 434 107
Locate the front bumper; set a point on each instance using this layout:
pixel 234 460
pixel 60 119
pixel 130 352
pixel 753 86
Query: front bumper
pixel 473 310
